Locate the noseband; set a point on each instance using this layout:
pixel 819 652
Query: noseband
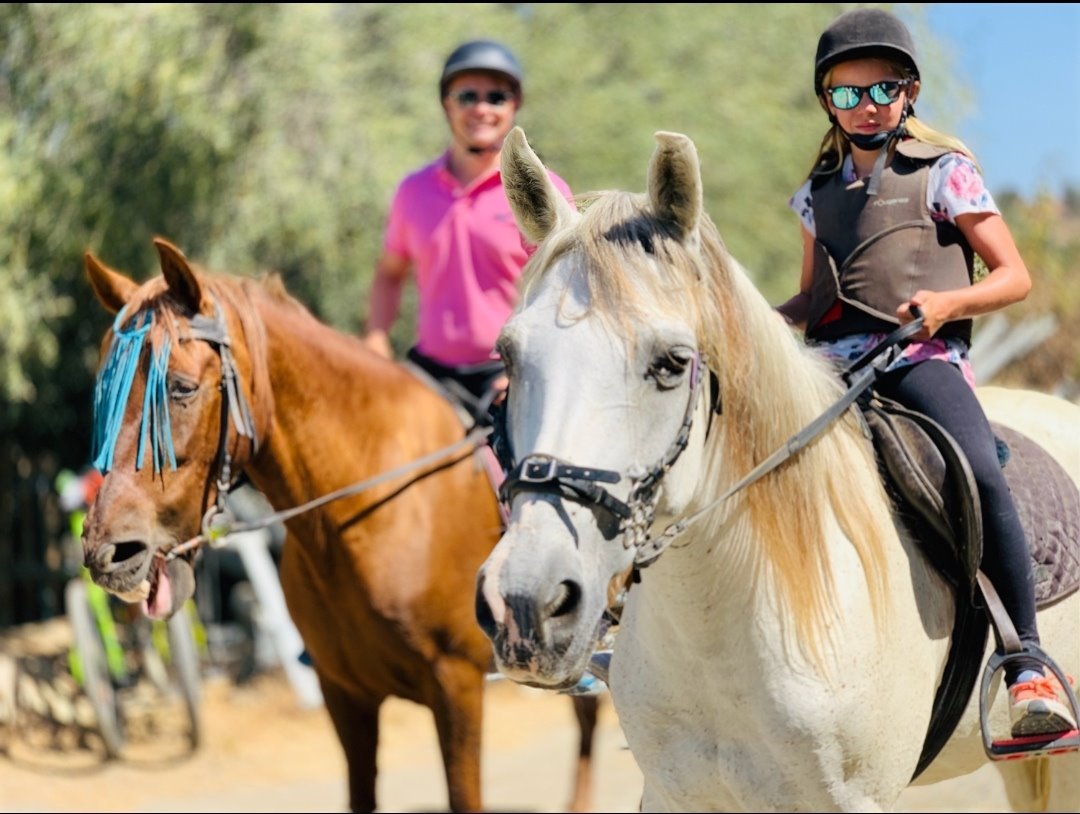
pixel 546 474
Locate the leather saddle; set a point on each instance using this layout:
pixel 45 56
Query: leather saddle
pixel 935 494
pixel 929 474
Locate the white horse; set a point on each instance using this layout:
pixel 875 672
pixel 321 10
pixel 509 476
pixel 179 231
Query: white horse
pixel 783 653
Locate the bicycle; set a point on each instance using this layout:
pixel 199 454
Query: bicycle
pixel 117 650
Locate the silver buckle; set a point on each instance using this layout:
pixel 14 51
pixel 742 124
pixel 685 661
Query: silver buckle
pixel 539 469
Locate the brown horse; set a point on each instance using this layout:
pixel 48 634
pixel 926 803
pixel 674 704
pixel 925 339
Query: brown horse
pixel 211 375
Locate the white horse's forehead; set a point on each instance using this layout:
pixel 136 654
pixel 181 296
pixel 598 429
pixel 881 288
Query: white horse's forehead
pixel 579 389
pixel 553 324
pixel 555 320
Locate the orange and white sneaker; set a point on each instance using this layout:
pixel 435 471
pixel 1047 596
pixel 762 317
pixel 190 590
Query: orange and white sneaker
pixel 1036 708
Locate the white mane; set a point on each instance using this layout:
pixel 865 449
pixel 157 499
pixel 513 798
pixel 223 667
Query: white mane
pixel 771 386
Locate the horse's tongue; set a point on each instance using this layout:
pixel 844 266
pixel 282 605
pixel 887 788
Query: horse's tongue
pixel 160 604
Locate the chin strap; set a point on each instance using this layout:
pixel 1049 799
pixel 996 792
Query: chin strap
pixel 883 141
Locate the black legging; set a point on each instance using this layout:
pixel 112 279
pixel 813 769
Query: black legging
pixel 939 390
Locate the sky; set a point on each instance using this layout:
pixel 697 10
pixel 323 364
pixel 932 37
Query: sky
pixel 1021 62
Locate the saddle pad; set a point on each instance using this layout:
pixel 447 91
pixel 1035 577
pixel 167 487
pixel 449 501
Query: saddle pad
pixel 1049 506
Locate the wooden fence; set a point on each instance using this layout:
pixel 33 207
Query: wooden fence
pixel 37 554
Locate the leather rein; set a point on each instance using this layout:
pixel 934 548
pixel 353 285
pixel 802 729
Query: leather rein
pixel 218 522
pixel 536 473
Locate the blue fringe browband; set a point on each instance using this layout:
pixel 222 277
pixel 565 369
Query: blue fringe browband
pixel 113 388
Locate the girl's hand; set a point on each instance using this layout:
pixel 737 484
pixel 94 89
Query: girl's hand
pixel 935 311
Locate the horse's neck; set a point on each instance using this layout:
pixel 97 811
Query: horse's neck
pixel 718 567
pixel 737 560
pixel 329 398
pixel 696 624
pixel 711 604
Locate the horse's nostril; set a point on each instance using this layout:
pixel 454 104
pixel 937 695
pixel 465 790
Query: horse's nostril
pixel 484 617
pixel 568 601
pixel 98 558
pixel 122 552
pixel 115 556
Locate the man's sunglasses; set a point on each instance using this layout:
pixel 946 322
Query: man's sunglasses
pixel 847 97
pixel 468 98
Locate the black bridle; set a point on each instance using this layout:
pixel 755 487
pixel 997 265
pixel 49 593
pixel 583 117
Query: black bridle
pixel 218 522
pixel 234 407
pixel 546 474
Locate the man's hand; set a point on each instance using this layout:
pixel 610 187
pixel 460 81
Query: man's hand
pixel 379 342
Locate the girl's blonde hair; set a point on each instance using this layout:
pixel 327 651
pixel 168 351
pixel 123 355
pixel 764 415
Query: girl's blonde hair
pixel 835 145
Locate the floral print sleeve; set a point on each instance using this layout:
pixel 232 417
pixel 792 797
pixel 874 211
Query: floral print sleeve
pixel 955 187
pixel 802 204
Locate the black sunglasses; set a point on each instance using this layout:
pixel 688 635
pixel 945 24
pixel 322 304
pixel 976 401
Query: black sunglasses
pixel 847 97
pixel 468 98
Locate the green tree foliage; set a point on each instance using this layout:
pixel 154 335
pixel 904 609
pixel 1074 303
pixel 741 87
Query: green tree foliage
pixel 120 122
pixel 1047 232
pixel 269 137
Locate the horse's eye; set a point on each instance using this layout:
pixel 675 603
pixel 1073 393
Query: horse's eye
pixel 669 367
pixel 182 389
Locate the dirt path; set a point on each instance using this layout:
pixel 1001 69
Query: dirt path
pixel 263 752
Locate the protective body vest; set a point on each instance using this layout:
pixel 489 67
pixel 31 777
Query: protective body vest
pixel 872 253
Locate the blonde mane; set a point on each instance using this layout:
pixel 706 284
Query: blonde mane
pixel 771 386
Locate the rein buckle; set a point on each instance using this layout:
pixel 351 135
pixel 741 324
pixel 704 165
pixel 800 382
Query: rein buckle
pixel 539 469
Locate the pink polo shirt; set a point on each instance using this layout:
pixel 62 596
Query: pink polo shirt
pixel 467 255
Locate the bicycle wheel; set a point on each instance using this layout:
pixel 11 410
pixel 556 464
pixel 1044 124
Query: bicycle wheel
pixel 186 668
pixel 90 664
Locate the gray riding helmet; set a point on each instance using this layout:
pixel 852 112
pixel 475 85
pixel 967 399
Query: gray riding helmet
pixel 482 55
pixel 863 32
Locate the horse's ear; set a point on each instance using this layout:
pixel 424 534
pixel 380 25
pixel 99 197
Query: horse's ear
pixel 178 274
pixel 112 288
pixel 537 204
pixel 675 182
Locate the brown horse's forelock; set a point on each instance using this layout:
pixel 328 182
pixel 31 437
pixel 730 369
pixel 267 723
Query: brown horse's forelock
pixel 234 296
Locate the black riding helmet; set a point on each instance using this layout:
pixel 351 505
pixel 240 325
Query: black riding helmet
pixel 859 34
pixel 482 55
pixel 863 32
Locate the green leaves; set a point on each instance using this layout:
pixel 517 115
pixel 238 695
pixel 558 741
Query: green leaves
pixel 270 137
